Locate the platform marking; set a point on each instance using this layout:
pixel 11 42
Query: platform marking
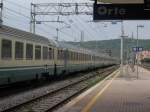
pixel 93 101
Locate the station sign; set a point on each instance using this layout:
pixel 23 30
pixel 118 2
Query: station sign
pixel 122 11
pixel 137 49
pixel 147 4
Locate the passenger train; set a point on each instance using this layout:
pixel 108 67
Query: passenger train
pixel 25 56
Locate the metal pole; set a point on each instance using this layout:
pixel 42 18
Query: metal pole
pixel 57 34
pixel 121 50
pixel 127 58
pixel 31 21
pixel 34 20
pixel 137 44
pixel 1 13
pixel 121 54
pixel 133 54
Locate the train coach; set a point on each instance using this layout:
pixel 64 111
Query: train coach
pixel 25 56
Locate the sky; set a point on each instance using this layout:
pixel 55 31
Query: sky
pixel 16 13
pixel 123 1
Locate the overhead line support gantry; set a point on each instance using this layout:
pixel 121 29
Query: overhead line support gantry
pixel 64 9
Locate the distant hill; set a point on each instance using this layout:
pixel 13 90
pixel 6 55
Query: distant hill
pixel 113 45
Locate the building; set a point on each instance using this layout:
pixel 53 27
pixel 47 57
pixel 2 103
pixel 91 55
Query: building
pixel 144 54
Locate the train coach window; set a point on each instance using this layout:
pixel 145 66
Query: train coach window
pixel 50 53
pixel 18 50
pixel 75 56
pixel 29 51
pixel 71 55
pixel 60 54
pixel 37 52
pixel 6 49
pixel 79 56
pixel 45 52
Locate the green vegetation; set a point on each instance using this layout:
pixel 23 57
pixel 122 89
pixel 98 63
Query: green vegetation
pixel 113 45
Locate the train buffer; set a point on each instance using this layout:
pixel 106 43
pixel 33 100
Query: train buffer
pixel 120 92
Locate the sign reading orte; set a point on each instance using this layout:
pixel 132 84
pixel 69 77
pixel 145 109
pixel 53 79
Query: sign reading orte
pixel 103 10
pixel 120 12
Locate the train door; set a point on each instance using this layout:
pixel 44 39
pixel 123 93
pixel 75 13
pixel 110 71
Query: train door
pixel 55 60
pixel 66 53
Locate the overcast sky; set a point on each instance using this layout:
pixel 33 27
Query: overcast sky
pixel 92 31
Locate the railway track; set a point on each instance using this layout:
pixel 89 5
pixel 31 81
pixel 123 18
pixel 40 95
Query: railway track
pixel 52 99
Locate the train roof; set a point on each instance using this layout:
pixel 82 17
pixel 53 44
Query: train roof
pixel 65 45
pixel 9 31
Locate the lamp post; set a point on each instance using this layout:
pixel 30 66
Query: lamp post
pixel 121 44
pixel 121 55
pixel 137 45
pixel 59 29
pixel 1 13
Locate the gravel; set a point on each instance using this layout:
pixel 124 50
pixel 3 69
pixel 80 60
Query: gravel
pixel 17 99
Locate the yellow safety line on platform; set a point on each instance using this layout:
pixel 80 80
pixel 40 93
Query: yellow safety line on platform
pixel 93 101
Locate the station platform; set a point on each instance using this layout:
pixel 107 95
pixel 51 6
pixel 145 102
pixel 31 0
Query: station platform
pixel 122 91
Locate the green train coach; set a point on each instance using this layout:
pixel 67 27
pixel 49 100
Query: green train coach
pixel 25 56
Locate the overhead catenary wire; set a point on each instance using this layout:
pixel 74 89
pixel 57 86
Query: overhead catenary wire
pixel 88 31
pixel 22 22
pixel 14 3
pixel 54 28
pixel 59 30
pixel 80 27
pixel 29 18
pixel 94 30
pixel 85 28
pixel 41 29
pixel 68 34
pixel 75 27
pixel 19 13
